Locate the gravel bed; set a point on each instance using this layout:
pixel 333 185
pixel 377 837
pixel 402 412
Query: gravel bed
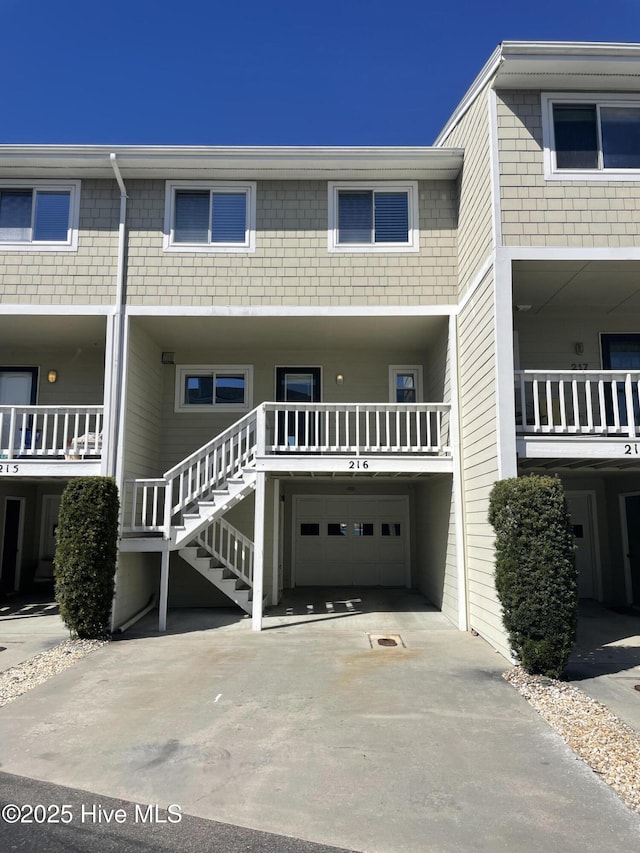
pixel 18 679
pixel 610 747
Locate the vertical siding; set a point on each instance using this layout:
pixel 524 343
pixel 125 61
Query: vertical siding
pixel 143 406
pixel 475 205
pixel 476 346
pixel 436 568
pixel 537 212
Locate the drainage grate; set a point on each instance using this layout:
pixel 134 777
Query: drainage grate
pixel 388 641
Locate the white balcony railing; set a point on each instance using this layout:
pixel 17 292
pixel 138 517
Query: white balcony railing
pixel 357 428
pixel 50 432
pixel 581 402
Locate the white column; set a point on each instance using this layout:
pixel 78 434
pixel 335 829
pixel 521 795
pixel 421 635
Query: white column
pixel 275 576
pixel 164 591
pixel 258 559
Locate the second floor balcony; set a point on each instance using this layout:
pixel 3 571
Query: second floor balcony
pixel 581 413
pixel 40 440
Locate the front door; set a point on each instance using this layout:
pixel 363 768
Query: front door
pixel 581 506
pixel 297 385
pixel 631 530
pixel 17 388
pixel 11 545
pixel 622 352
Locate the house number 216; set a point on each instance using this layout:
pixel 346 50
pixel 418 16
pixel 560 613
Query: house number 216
pixel 358 463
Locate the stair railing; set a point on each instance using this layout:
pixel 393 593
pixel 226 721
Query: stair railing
pixel 230 547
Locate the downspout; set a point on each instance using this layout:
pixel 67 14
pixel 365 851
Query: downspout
pixel 118 320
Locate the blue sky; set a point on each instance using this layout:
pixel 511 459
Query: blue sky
pixel 285 72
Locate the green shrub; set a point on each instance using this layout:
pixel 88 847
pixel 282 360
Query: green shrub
pixel 86 548
pixel 536 577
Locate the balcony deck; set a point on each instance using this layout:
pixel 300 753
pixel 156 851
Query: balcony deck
pixel 58 441
pixel 582 415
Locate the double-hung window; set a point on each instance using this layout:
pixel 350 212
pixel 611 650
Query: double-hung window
pixel 381 217
pixel 587 137
pixel 39 217
pixel 210 217
pixel 405 383
pixel 207 388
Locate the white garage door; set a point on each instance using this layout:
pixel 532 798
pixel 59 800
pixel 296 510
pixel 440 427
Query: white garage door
pixel 350 540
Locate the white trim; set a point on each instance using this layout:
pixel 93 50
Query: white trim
pixel 276 544
pixel 528 253
pixel 290 310
pixel 593 519
pixel 416 369
pixel 600 173
pixel 203 369
pixel 625 543
pixel 494 153
pixel 68 245
pixel 246 187
pixel 458 489
pixel 486 73
pixel 503 349
pixel 18 570
pixel 408 187
pixel 476 282
pixel 258 552
pixel 57 310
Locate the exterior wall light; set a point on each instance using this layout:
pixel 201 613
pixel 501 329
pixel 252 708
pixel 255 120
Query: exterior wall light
pixel 339 379
pixel 52 376
pixel 168 358
pixel 579 347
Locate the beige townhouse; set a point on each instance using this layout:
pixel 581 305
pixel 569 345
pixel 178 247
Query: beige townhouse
pixel 306 367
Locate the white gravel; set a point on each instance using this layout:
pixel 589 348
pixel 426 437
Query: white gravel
pixel 18 679
pixel 610 747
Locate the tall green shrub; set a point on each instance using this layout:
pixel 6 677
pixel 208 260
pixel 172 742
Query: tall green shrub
pixel 536 577
pixel 85 560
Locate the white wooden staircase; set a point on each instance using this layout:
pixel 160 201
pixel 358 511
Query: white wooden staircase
pixel 188 503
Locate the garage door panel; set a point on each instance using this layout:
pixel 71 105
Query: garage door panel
pixel 361 541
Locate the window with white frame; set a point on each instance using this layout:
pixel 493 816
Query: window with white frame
pixel 206 388
pixel 39 217
pixel 381 217
pixel 405 383
pixel 587 137
pixel 210 217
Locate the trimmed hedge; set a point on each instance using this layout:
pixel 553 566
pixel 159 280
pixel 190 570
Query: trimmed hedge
pixel 536 576
pixel 86 549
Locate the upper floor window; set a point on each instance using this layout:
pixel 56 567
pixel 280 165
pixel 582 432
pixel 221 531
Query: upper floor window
pixel 587 138
pixel 373 217
pixel 42 217
pixel 210 217
pixel 202 388
pixel 405 383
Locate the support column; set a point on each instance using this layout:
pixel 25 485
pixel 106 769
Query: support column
pixel 258 552
pixel 164 591
pixel 275 577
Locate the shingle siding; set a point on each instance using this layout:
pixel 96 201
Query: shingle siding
pixel 537 212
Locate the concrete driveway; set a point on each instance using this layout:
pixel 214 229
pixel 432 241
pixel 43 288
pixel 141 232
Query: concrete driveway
pixel 309 730
pixel 29 624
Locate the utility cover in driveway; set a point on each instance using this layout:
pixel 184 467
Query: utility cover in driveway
pixel 350 540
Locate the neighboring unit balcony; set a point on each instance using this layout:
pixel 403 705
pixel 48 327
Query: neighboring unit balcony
pixel 50 440
pixel 578 413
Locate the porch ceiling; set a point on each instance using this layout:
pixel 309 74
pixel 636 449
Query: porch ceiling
pixel 293 333
pixel 68 331
pixel 552 287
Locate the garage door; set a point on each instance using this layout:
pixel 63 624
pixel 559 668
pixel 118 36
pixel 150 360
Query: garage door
pixel 350 540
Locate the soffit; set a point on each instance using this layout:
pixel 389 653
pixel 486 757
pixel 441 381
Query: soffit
pixel 551 287
pixel 33 332
pixel 227 163
pixel 238 334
